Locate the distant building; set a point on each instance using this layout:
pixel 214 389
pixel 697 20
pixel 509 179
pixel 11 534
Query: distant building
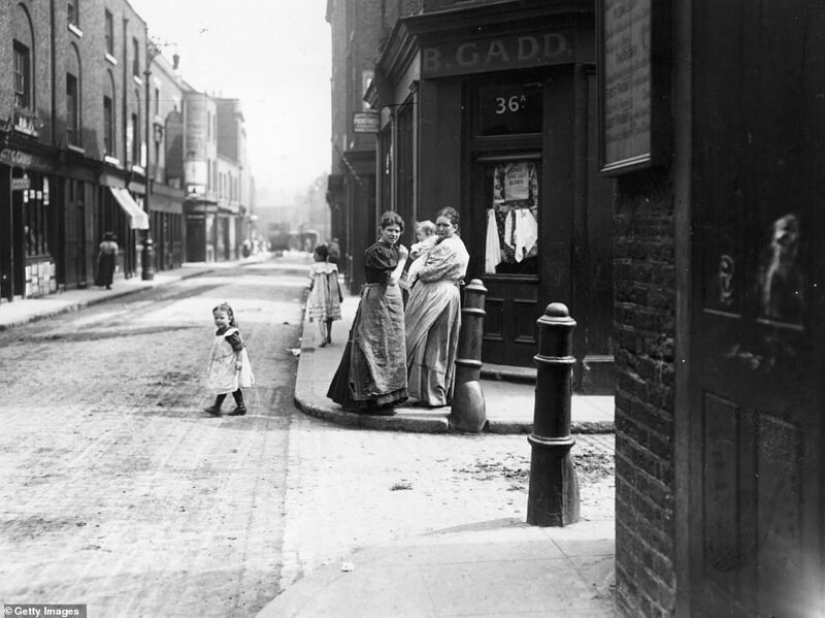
pixel 216 178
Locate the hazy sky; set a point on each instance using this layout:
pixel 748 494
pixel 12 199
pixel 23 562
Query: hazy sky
pixel 274 55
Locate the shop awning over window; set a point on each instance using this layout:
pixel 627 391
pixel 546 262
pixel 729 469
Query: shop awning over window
pixel 138 219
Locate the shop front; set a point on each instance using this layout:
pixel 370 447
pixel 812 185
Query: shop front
pixel 506 133
pixel 28 225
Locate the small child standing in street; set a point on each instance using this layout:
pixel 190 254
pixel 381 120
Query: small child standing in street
pixel 325 297
pixel 229 367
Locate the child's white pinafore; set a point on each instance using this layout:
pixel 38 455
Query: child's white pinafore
pixel 221 375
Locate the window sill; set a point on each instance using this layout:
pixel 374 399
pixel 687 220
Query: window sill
pixel 111 160
pixel 77 31
pixel 77 149
pixel 111 59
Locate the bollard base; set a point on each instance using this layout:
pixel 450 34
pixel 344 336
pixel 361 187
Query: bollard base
pixel 553 498
pixel 469 410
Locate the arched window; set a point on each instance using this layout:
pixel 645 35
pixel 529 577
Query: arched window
pixel 109 115
pixel 73 97
pixel 23 49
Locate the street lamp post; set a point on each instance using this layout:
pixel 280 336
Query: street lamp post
pixel 148 255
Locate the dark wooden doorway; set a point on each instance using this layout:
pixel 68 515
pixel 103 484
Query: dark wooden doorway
pixel 756 516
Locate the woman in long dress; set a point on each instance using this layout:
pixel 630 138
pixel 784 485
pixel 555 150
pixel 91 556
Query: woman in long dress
pixel 372 374
pixel 433 316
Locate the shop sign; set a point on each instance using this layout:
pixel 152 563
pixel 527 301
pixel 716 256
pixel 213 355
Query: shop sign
pixel 20 184
pixel 493 54
pixel 633 90
pixel 365 122
pixel 16 158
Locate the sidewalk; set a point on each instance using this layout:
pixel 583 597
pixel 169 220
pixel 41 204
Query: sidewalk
pixel 27 310
pixel 509 404
pixel 497 569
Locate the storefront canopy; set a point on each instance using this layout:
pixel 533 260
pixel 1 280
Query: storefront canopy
pixel 138 219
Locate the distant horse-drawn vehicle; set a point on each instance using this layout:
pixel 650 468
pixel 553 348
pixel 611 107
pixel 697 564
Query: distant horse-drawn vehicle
pixel 278 237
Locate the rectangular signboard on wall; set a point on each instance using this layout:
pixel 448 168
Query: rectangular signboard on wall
pixel 633 70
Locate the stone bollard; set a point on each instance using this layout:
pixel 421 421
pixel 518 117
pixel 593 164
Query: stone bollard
pixel 469 412
pixel 553 498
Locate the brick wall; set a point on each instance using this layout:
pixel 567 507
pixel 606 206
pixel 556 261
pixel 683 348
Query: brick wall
pixel 644 280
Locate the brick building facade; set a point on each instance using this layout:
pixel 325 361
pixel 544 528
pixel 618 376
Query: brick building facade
pixel 81 151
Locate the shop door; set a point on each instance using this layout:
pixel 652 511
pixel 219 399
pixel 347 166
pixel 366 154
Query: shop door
pixel 502 235
pixel 195 240
pixel 756 514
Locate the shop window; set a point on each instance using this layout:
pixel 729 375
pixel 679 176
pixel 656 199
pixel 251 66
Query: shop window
pixel 22 76
pixel 36 222
pixel 512 233
pixel 109 32
pixel 72 111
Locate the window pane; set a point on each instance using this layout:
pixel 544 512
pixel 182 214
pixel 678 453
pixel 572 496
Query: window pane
pixel 72 120
pixel 22 75
pixel 108 121
pixel 110 33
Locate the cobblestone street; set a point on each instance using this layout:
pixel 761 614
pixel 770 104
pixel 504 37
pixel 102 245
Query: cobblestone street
pixel 117 491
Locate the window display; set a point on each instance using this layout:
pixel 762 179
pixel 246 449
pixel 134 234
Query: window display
pixel 512 219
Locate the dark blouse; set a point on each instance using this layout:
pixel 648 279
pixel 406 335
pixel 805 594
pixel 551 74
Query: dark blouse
pixel 234 339
pixel 379 262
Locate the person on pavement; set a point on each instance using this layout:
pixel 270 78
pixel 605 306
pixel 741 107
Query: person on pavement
pixel 433 316
pixel 325 297
pixel 372 374
pixel 229 368
pixel 106 260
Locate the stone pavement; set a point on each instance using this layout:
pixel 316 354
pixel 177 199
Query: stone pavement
pixel 509 402
pixel 500 568
pixel 28 310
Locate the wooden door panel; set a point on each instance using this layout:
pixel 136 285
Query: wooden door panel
pixel 756 498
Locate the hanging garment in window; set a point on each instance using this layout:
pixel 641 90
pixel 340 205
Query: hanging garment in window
pixel 526 233
pixel 493 251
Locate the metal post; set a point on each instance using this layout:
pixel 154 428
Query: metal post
pixel 469 412
pixel 148 255
pixel 553 498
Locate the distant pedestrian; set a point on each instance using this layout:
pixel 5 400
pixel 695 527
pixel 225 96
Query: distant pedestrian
pixel 372 374
pixel 334 251
pixel 229 368
pixel 106 260
pixel 325 297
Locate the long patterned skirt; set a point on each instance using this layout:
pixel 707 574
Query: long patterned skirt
pixel 373 371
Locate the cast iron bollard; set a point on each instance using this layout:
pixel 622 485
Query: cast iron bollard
pixel 553 499
pixel 469 412
pixel 148 258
